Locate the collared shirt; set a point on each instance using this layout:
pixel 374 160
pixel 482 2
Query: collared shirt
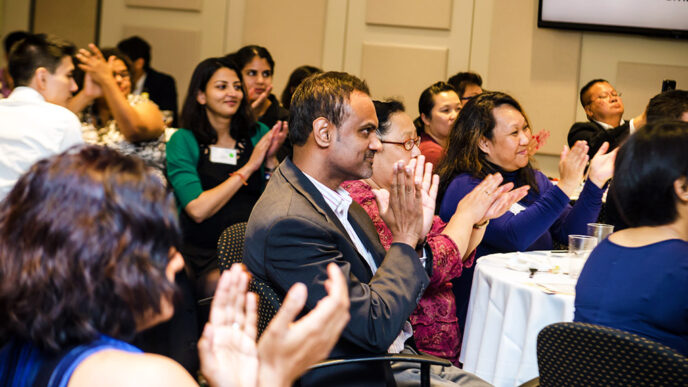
pixel 138 89
pixel 31 129
pixel 606 126
pixel 340 201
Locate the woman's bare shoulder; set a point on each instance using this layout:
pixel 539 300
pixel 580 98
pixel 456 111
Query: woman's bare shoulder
pixel 119 368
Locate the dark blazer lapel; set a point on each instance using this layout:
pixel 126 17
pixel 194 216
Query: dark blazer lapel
pixel 305 187
pixel 366 231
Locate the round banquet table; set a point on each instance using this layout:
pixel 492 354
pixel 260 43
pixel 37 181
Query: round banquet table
pixel 506 311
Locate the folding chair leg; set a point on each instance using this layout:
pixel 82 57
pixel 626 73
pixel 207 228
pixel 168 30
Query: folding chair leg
pixel 425 375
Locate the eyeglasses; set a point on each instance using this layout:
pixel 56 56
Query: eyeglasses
pixel 605 96
pixel 121 74
pixel 408 144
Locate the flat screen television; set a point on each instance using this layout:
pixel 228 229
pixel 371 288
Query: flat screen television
pixel 667 18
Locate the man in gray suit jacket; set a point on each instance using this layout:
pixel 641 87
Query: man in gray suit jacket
pixel 303 221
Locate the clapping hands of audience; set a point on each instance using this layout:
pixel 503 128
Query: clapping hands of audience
pixel 404 208
pixel 602 165
pixel 572 164
pixel 229 354
pixel 96 67
pixel 537 141
pixel 488 200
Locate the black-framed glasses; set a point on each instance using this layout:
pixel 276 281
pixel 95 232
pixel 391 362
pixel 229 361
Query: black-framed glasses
pixel 408 144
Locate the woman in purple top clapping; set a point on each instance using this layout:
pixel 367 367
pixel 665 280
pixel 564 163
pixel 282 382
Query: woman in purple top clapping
pixel 492 135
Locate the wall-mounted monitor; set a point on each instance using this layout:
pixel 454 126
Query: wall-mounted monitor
pixel 668 18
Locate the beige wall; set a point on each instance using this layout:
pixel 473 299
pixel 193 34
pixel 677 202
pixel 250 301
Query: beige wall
pixel 400 48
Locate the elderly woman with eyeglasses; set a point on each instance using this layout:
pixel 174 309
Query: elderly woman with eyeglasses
pixel 451 245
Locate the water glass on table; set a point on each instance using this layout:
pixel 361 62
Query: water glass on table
pixel 600 230
pixel 580 247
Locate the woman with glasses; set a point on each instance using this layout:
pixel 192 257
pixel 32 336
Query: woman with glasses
pixel 438 106
pixel 111 115
pixel 451 244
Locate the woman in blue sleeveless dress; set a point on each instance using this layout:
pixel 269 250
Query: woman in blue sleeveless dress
pixel 88 257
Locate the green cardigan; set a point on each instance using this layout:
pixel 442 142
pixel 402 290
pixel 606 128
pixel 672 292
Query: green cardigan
pixel 182 160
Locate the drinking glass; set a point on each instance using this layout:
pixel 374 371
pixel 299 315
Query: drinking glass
pixel 580 247
pixel 600 230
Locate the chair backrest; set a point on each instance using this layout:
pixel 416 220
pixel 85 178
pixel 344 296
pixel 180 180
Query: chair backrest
pixel 230 250
pixel 230 246
pixel 268 302
pixel 580 354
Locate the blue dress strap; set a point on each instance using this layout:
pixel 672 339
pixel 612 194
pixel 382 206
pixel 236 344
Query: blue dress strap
pixel 66 366
pixel 23 364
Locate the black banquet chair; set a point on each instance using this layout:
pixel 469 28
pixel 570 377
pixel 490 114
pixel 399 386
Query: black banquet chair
pixel 230 249
pixel 580 354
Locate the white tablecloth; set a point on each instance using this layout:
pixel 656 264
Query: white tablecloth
pixel 506 311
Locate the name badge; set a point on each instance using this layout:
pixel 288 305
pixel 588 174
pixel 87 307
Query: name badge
pixel 223 155
pixel 516 208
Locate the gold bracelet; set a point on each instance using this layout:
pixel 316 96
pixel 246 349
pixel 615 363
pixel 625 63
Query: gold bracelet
pixel 478 226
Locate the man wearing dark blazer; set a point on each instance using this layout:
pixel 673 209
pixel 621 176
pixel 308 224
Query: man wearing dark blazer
pixel 303 221
pixel 604 108
pixel 161 87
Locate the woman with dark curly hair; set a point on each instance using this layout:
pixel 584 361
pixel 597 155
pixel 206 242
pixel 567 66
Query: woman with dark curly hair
pixel 88 258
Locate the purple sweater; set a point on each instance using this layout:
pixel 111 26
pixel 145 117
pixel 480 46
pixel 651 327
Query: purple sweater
pixel 547 215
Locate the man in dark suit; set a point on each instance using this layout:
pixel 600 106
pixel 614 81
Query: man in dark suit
pixel 303 221
pixel 604 108
pixel 161 87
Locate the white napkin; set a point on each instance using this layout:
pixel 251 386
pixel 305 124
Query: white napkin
pixel 523 261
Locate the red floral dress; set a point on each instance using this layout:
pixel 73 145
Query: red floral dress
pixel 435 327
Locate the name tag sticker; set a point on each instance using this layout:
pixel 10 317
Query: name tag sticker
pixel 516 208
pixel 223 155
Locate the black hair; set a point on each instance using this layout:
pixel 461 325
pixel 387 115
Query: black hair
pixel 427 101
pixel 194 116
pixel 460 81
pixel 119 54
pixel 246 54
pixel 463 155
pixel 297 76
pixel 587 87
pixel 384 111
pixel 670 105
pixel 85 238
pixel 321 95
pixel 35 51
pixel 135 47
pixel 645 170
pixel 12 38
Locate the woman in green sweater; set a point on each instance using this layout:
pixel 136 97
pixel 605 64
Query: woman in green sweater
pixel 217 164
